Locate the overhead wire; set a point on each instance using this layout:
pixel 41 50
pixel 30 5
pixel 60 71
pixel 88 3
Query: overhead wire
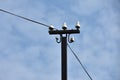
pixel 79 62
pixel 49 27
pixel 25 18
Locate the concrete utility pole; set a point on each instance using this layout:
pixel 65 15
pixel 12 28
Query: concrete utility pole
pixel 64 34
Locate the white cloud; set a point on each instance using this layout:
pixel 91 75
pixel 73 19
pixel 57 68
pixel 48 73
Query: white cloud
pixel 98 43
pixel 28 53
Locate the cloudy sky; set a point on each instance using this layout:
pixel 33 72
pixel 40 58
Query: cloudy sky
pixel 28 52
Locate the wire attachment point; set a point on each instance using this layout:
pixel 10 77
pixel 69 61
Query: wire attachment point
pixel 58 40
pixel 51 27
pixel 70 39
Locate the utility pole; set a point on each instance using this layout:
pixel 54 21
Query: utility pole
pixel 64 36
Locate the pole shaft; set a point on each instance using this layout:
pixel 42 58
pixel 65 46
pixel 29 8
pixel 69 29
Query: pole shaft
pixel 64 58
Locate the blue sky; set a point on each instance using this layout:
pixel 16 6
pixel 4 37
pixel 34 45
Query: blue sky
pixel 28 52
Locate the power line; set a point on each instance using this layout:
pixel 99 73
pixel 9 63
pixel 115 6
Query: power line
pixel 25 18
pixel 80 62
pixel 48 27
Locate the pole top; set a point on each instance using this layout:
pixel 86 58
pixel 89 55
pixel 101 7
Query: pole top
pixel 65 30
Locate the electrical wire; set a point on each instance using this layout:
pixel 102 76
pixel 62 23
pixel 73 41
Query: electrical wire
pixel 80 62
pixel 25 18
pixel 53 28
